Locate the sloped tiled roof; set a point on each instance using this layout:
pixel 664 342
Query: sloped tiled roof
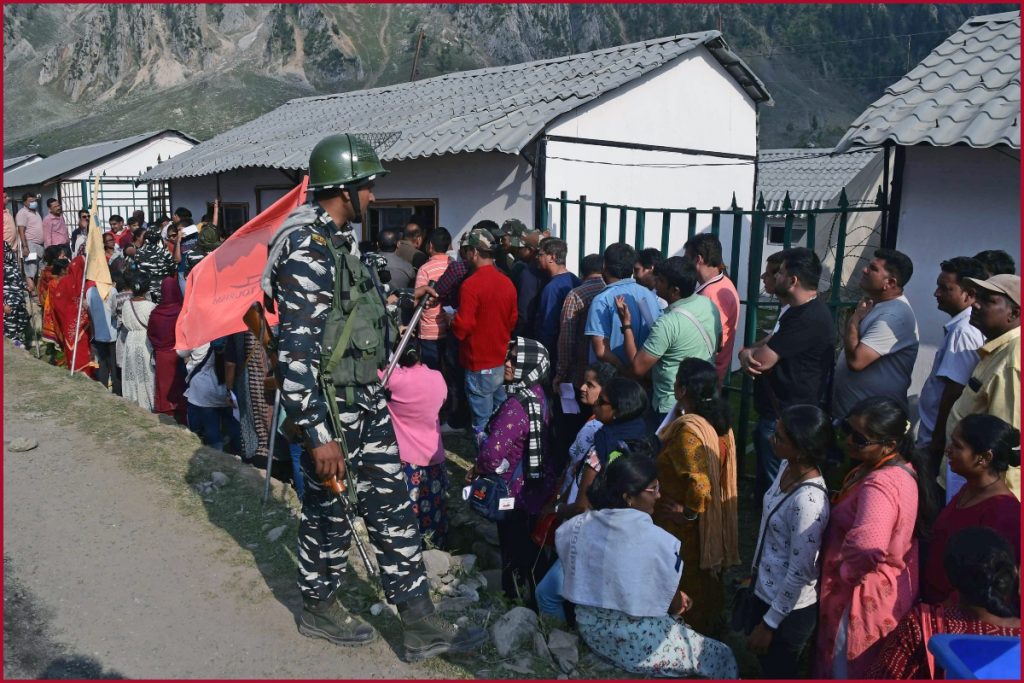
pixel 810 176
pixel 967 91
pixel 14 161
pixel 495 109
pixel 65 162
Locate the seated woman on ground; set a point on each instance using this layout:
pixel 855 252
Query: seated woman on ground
pixel 981 450
pixel 514 447
pixel 983 570
pixel 634 624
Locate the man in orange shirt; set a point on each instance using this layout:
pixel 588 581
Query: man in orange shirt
pixel 706 251
pixel 434 325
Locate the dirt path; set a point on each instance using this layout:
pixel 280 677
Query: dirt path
pixel 116 563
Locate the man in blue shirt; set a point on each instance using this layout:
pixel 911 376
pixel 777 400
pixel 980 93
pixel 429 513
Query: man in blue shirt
pixel 603 324
pixel 551 260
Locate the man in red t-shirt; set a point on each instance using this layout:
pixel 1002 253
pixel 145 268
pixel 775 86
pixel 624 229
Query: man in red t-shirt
pixel 483 325
pixel 705 250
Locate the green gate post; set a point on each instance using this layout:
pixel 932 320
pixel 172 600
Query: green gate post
pixel 604 228
pixel 622 223
pixel 86 199
pixel 753 298
pixel 811 223
pixel 837 270
pixel 563 212
pixel 716 219
pixel 691 228
pixel 583 228
pixel 666 224
pixel 737 237
pixel 641 223
pixel 787 235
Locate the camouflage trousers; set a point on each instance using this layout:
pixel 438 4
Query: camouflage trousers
pixel 16 323
pixel 383 496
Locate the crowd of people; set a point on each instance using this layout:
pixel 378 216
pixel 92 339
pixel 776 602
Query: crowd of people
pixel 595 406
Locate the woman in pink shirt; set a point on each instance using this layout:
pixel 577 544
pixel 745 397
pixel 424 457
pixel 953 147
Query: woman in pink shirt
pixel 417 393
pixel 869 568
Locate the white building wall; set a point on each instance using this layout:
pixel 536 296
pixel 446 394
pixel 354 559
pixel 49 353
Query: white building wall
pixel 467 187
pixel 957 201
pixel 140 159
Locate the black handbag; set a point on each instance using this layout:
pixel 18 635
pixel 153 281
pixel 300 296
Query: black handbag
pixel 487 492
pixel 747 608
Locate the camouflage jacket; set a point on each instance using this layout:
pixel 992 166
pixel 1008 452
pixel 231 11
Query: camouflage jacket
pixel 14 281
pixel 301 284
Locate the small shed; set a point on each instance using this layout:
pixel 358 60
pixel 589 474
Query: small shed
pixel 952 125
pixel 669 122
pixel 66 175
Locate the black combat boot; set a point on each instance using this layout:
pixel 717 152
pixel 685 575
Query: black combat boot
pixel 427 634
pixel 331 621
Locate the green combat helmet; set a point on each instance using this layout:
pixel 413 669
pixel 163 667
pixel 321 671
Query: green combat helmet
pixel 345 161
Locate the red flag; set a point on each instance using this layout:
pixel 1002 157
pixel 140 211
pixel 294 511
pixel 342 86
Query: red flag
pixel 220 289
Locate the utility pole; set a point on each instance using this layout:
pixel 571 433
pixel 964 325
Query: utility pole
pixel 416 57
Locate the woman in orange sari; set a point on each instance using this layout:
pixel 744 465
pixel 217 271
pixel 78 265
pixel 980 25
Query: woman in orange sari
pixel 56 259
pixel 699 503
pixel 66 298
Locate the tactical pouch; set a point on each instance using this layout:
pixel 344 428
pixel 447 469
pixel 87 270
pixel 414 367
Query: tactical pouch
pixel 353 341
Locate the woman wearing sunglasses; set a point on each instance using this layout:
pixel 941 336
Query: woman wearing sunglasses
pixel 627 603
pixel 869 575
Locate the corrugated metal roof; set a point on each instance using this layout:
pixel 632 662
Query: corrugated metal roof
pixel 967 91
pixel 810 175
pixel 495 109
pixel 14 161
pixel 70 160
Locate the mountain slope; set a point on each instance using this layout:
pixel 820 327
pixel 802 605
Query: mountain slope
pixel 202 69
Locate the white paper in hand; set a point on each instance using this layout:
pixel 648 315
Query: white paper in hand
pixel 234 407
pixel 568 395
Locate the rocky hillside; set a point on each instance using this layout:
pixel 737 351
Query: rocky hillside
pixel 108 71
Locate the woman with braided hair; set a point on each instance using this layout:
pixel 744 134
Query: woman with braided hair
pixel 514 447
pixel 869 566
pixel 982 568
pixel 699 503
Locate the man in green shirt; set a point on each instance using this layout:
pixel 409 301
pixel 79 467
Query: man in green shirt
pixel 690 328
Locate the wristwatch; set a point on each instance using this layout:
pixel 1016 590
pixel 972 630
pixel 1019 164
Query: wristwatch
pixel 625 327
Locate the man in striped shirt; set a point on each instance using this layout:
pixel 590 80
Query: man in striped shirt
pixel 573 346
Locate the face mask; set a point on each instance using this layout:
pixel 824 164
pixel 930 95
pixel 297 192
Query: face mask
pixel 33 205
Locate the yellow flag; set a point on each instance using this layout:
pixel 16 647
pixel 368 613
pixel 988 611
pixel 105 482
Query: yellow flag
pixel 96 268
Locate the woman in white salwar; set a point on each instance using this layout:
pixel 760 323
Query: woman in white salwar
pixel 138 373
pixel 629 608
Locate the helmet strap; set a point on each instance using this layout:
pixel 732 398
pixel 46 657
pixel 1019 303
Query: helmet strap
pixel 353 197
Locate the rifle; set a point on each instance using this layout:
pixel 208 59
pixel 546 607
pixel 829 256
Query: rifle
pixel 256 320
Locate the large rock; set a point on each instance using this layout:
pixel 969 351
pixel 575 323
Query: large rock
pixel 564 648
pixel 467 563
pixel 21 444
pixel 516 625
pixel 219 479
pixel 437 562
pixel 276 533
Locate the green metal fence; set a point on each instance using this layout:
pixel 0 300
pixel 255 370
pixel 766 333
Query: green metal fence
pixel 744 231
pixel 118 195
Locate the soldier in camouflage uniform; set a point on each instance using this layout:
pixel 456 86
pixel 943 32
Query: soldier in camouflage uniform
pixel 317 282
pixel 152 261
pixel 16 320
